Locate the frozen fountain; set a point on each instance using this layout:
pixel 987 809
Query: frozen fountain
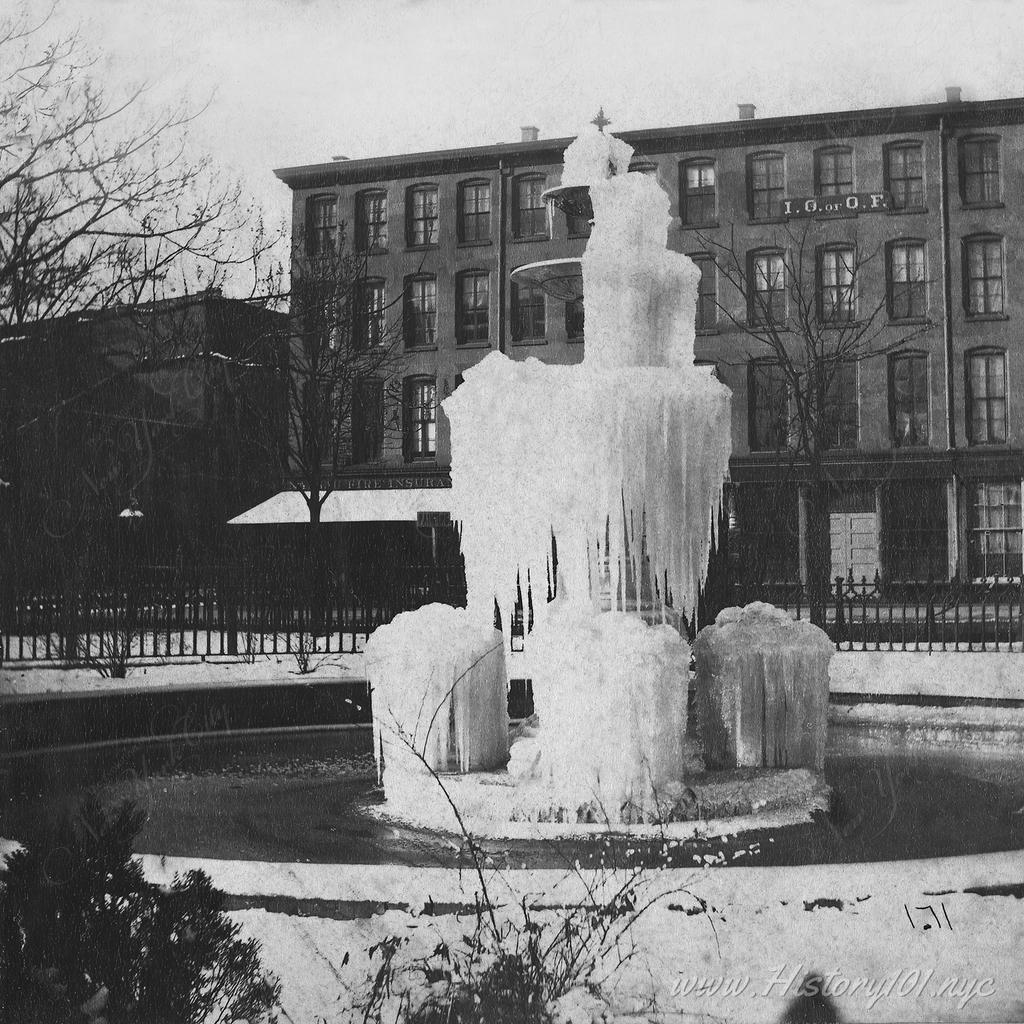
pixel 621 459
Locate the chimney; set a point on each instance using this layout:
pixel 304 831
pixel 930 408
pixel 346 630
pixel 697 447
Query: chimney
pixel 747 111
pixel 530 133
pixel 339 159
pixel 952 93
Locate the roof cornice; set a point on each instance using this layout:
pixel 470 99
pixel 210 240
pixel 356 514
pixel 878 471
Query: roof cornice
pixel 754 132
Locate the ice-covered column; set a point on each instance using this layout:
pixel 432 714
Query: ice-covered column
pixel 762 689
pixel 440 695
pixel 610 692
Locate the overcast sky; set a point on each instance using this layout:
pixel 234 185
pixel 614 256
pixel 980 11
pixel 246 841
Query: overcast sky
pixel 297 81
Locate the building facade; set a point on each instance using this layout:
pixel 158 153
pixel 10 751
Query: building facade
pixel 908 218
pixel 164 411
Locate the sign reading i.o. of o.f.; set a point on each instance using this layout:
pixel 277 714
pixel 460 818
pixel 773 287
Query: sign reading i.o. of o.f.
pixel 837 206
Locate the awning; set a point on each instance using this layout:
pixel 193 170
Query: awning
pixel 390 505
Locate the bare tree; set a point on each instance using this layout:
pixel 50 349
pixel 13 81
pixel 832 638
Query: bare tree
pixel 810 322
pixel 100 201
pixel 343 388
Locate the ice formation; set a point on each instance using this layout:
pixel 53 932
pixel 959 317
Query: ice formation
pixel 440 695
pixel 632 444
pixel 762 689
pixel 622 460
pixel 610 692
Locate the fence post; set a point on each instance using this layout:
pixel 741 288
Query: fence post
pixel 840 626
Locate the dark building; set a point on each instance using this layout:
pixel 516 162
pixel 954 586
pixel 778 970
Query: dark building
pixel 164 412
pixel 927 459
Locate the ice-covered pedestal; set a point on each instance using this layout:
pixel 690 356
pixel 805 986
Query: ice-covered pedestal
pixel 610 692
pixel 440 693
pixel 762 689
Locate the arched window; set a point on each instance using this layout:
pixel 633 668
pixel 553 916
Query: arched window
pixel 372 220
pixel 986 396
pixel 906 268
pixel 697 198
pixel 531 210
pixel 369 312
pixel 766 184
pixel 767 287
pixel 833 171
pixel 368 420
pixel 908 399
pixel 767 405
pixel 983 275
pixel 321 225
pixel 529 321
pixel 473 298
pixel 474 211
pixel 979 170
pixel 420 311
pixel 421 215
pixel 707 291
pixel 904 174
pixel 837 272
pixel 420 423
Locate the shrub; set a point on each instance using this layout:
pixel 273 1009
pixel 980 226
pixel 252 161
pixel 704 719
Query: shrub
pixel 84 936
pixel 515 973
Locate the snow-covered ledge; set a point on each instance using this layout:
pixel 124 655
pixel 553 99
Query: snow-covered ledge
pixel 988 674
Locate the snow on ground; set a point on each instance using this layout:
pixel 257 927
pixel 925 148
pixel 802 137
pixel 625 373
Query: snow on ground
pixel 995 674
pixel 762 932
pixel 988 674
pixel 271 669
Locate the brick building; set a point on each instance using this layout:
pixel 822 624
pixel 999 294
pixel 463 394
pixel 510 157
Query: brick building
pixel 928 458
pixel 167 409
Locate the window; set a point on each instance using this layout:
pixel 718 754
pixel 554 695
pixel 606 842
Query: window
pixel 420 312
pixel 421 210
pixel 768 406
pixel 767 272
pixel 908 399
pixel 767 177
pixel 983 276
pixel 836 269
pixel 372 221
pixel 994 544
pixel 841 405
pixel 707 293
pixel 697 193
pixel 370 313
pixel 577 224
pixel 986 396
pixel 908 285
pixel 321 225
pixel 833 171
pixel 904 175
pixel 574 318
pixel 421 418
pixel 473 305
pixel 979 170
pixel 916 534
pixel 531 210
pixel 527 312
pixel 368 420
pixel 316 304
pixel 475 211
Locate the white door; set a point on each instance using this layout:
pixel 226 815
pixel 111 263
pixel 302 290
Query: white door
pixel 854 544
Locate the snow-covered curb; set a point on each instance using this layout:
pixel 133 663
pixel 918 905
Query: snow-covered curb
pixel 272 670
pixel 987 674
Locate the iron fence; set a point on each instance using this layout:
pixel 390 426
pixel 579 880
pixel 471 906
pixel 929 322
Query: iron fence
pixel 873 614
